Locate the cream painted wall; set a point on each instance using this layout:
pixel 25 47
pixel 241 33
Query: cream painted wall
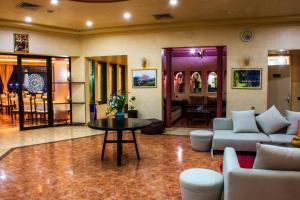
pixel 149 45
pixel 43 43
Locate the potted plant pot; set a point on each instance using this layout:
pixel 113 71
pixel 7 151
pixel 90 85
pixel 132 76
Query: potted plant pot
pixel 132 114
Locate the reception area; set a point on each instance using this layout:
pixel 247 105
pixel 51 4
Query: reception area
pixel 128 99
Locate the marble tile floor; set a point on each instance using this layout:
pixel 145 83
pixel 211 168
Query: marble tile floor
pixel 72 169
pixel 12 137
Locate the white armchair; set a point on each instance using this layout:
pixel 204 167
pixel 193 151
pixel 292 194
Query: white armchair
pixel 257 184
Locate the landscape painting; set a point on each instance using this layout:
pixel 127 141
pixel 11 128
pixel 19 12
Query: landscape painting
pixel 246 78
pixel 144 78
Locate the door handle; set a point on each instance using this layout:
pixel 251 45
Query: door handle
pixel 288 99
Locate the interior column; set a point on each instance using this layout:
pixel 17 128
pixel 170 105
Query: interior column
pixel 220 81
pixel 168 102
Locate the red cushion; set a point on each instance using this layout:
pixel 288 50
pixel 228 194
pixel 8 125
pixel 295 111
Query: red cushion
pixel 245 161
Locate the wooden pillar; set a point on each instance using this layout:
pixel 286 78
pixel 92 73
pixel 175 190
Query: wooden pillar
pixel 168 103
pixel 220 81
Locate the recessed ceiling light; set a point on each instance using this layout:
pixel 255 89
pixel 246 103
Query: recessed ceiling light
pixel 54 2
pixel 28 19
pixel 173 2
pixel 89 23
pixel 127 15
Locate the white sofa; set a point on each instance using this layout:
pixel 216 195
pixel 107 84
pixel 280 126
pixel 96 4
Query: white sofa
pixel 225 137
pixel 257 184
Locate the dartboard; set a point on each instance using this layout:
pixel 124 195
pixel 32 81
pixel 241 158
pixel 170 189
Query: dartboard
pixel 36 83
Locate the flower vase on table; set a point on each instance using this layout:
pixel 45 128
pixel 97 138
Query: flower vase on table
pixel 119 115
pixel 116 102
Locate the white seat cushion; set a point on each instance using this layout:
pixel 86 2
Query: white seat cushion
pixel 281 138
pixel 239 141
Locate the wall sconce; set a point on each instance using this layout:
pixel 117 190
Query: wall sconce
pixel 247 60
pixel 144 62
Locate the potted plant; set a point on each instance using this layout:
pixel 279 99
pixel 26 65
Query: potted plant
pixel 116 104
pixel 132 112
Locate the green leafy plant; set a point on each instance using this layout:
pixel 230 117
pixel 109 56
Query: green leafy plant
pixel 116 102
pixel 132 103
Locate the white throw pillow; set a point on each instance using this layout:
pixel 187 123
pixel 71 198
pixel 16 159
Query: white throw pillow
pixel 271 121
pixel 244 121
pixel 293 118
pixel 277 158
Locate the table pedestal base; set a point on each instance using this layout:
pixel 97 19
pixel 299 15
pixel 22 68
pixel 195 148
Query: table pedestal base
pixel 119 143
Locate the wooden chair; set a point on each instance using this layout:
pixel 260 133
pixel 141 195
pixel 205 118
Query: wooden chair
pixel 29 108
pixel 15 108
pixel 5 103
pixel 41 109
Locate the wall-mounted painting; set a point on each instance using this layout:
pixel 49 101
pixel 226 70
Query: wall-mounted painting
pixel 21 43
pixel 246 78
pixel 144 78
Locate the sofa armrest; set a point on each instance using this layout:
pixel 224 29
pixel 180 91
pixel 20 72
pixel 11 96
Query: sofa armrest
pixel 230 160
pixel 222 124
pixel 249 184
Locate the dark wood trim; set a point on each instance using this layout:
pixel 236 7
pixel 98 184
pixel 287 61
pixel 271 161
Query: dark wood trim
pixel 220 81
pixel 103 83
pixel 168 102
pixel 114 78
pixel 123 77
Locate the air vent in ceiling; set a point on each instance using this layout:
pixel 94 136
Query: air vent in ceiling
pixel 164 16
pixel 28 6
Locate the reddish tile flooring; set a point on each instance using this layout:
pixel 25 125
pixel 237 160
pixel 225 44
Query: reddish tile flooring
pixel 73 170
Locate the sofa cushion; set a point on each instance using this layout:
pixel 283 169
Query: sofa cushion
pixel 271 121
pixel 239 141
pixel 277 158
pixel 281 138
pixel 293 118
pixel 244 121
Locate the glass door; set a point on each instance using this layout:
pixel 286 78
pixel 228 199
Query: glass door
pixel 34 92
pixel 61 99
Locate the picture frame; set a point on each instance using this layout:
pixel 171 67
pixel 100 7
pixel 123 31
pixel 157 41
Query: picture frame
pixel 247 78
pixel 21 43
pixel 144 78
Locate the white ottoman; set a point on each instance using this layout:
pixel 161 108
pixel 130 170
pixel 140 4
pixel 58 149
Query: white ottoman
pixel 201 184
pixel 201 140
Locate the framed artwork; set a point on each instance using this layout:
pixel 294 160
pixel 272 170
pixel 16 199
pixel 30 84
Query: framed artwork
pixel 144 78
pixel 21 43
pixel 246 78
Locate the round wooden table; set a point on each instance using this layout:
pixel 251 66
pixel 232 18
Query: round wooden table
pixel 127 124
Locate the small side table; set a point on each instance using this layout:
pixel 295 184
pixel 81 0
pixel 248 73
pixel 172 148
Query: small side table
pixel 201 140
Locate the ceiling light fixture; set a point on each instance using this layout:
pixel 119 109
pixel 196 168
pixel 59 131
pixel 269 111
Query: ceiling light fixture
pixel 127 15
pixel 28 19
pixel 173 2
pixel 89 23
pixel 192 51
pixel 201 53
pixel 54 2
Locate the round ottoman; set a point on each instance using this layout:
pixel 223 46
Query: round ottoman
pixel 201 184
pixel 201 140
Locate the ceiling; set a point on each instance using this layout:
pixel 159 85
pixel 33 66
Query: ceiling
pixel 73 15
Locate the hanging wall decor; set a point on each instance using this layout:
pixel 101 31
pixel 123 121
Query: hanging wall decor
pixel 145 78
pixel 21 43
pixel 245 78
